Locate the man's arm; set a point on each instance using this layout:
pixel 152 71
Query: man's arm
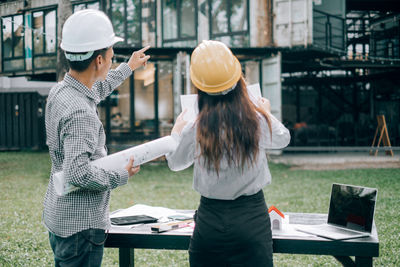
pixel 116 77
pixel 79 137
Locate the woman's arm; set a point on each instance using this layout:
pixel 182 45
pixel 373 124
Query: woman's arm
pixel 184 134
pixel 280 134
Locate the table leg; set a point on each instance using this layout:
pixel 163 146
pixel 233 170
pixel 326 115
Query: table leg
pixel 126 257
pixel 346 261
pixel 364 261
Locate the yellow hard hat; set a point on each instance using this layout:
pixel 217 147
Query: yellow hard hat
pixel 213 67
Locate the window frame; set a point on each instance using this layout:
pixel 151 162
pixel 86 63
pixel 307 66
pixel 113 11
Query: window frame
pixel 86 3
pixel 125 42
pixel 3 58
pixel 229 15
pixel 43 53
pixel 179 33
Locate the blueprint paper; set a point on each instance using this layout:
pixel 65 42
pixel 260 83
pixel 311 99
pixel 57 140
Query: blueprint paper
pixel 142 153
pixel 254 92
pixel 189 102
pixel 141 209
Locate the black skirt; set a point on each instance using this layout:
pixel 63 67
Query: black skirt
pixel 232 233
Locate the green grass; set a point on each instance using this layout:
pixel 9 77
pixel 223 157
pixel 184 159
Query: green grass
pixel 24 177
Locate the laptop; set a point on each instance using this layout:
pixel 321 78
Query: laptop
pixel 351 213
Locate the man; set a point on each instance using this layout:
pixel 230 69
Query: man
pixel 77 222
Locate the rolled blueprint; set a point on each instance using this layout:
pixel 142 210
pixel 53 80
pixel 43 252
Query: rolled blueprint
pixel 142 153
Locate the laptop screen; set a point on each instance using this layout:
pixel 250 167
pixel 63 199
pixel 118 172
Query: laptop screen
pixel 352 207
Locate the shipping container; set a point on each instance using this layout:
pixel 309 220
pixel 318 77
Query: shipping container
pixel 319 23
pixel 292 23
pixel 22 121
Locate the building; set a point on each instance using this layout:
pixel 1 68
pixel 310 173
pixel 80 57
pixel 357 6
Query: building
pixel 328 67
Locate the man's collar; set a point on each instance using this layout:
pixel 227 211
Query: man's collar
pixel 71 81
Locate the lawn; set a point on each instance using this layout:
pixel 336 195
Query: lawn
pixel 24 178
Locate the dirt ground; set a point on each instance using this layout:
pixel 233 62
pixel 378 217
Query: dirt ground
pixel 346 165
pixel 336 161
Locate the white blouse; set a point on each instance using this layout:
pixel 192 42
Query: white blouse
pixel 233 181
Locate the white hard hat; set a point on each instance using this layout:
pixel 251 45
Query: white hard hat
pixel 88 30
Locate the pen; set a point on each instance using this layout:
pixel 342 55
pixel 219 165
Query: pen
pixel 137 225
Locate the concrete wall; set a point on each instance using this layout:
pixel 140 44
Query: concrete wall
pixel 21 84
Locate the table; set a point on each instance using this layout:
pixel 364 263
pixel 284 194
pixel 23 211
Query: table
pixel 363 249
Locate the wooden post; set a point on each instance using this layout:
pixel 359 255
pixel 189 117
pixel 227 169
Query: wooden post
pixel 63 12
pixel 383 135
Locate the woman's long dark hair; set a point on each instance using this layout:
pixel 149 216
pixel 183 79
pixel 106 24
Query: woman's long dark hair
pixel 228 125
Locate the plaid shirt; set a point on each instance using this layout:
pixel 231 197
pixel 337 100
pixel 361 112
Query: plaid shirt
pixel 75 136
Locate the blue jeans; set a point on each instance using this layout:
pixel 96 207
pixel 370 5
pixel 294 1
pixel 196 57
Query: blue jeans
pixel 81 249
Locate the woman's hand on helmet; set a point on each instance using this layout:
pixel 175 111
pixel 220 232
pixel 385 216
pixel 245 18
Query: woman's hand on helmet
pixel 264 104
pixel 179 123
pixel 138 58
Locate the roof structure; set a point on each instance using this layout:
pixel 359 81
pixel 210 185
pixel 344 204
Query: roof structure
pixel 273 208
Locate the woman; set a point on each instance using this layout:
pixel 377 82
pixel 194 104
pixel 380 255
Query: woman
pixel 227 144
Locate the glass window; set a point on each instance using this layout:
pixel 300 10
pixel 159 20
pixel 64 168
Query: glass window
pixel 7 37
pixel 239 16
pixel 13 43
pixel 44 39
pixel 188 16
pixel 229 21
pixel 90 5
pixel 179 20
pixel 234 40
pixel 170 24
pixel 94 5
pixel 15 64
pixel 133 22
pixel 38 32
pixel 144 99
pixel 50 30
pixel 13 36
pixel 18 38
pixel 45 62
pixel 79 7
pixel 125 15
pixel 219 16
pixel 44 32
pixel 165 97
pixel 188 43
pixel 120 108
pixel 118 15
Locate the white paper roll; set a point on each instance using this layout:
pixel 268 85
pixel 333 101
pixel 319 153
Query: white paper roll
pixel 142 153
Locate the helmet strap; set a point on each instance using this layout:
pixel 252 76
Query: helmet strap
pixel 224 92
pixel 78 57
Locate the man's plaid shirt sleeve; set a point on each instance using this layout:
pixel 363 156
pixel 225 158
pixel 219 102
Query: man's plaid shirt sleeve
pixel 114 79
pixel 80 137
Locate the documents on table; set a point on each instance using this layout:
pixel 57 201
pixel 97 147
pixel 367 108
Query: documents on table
pixel 163 215
pixel 288 229
pixel 156 212
pixel 142 153
pixel 164 227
